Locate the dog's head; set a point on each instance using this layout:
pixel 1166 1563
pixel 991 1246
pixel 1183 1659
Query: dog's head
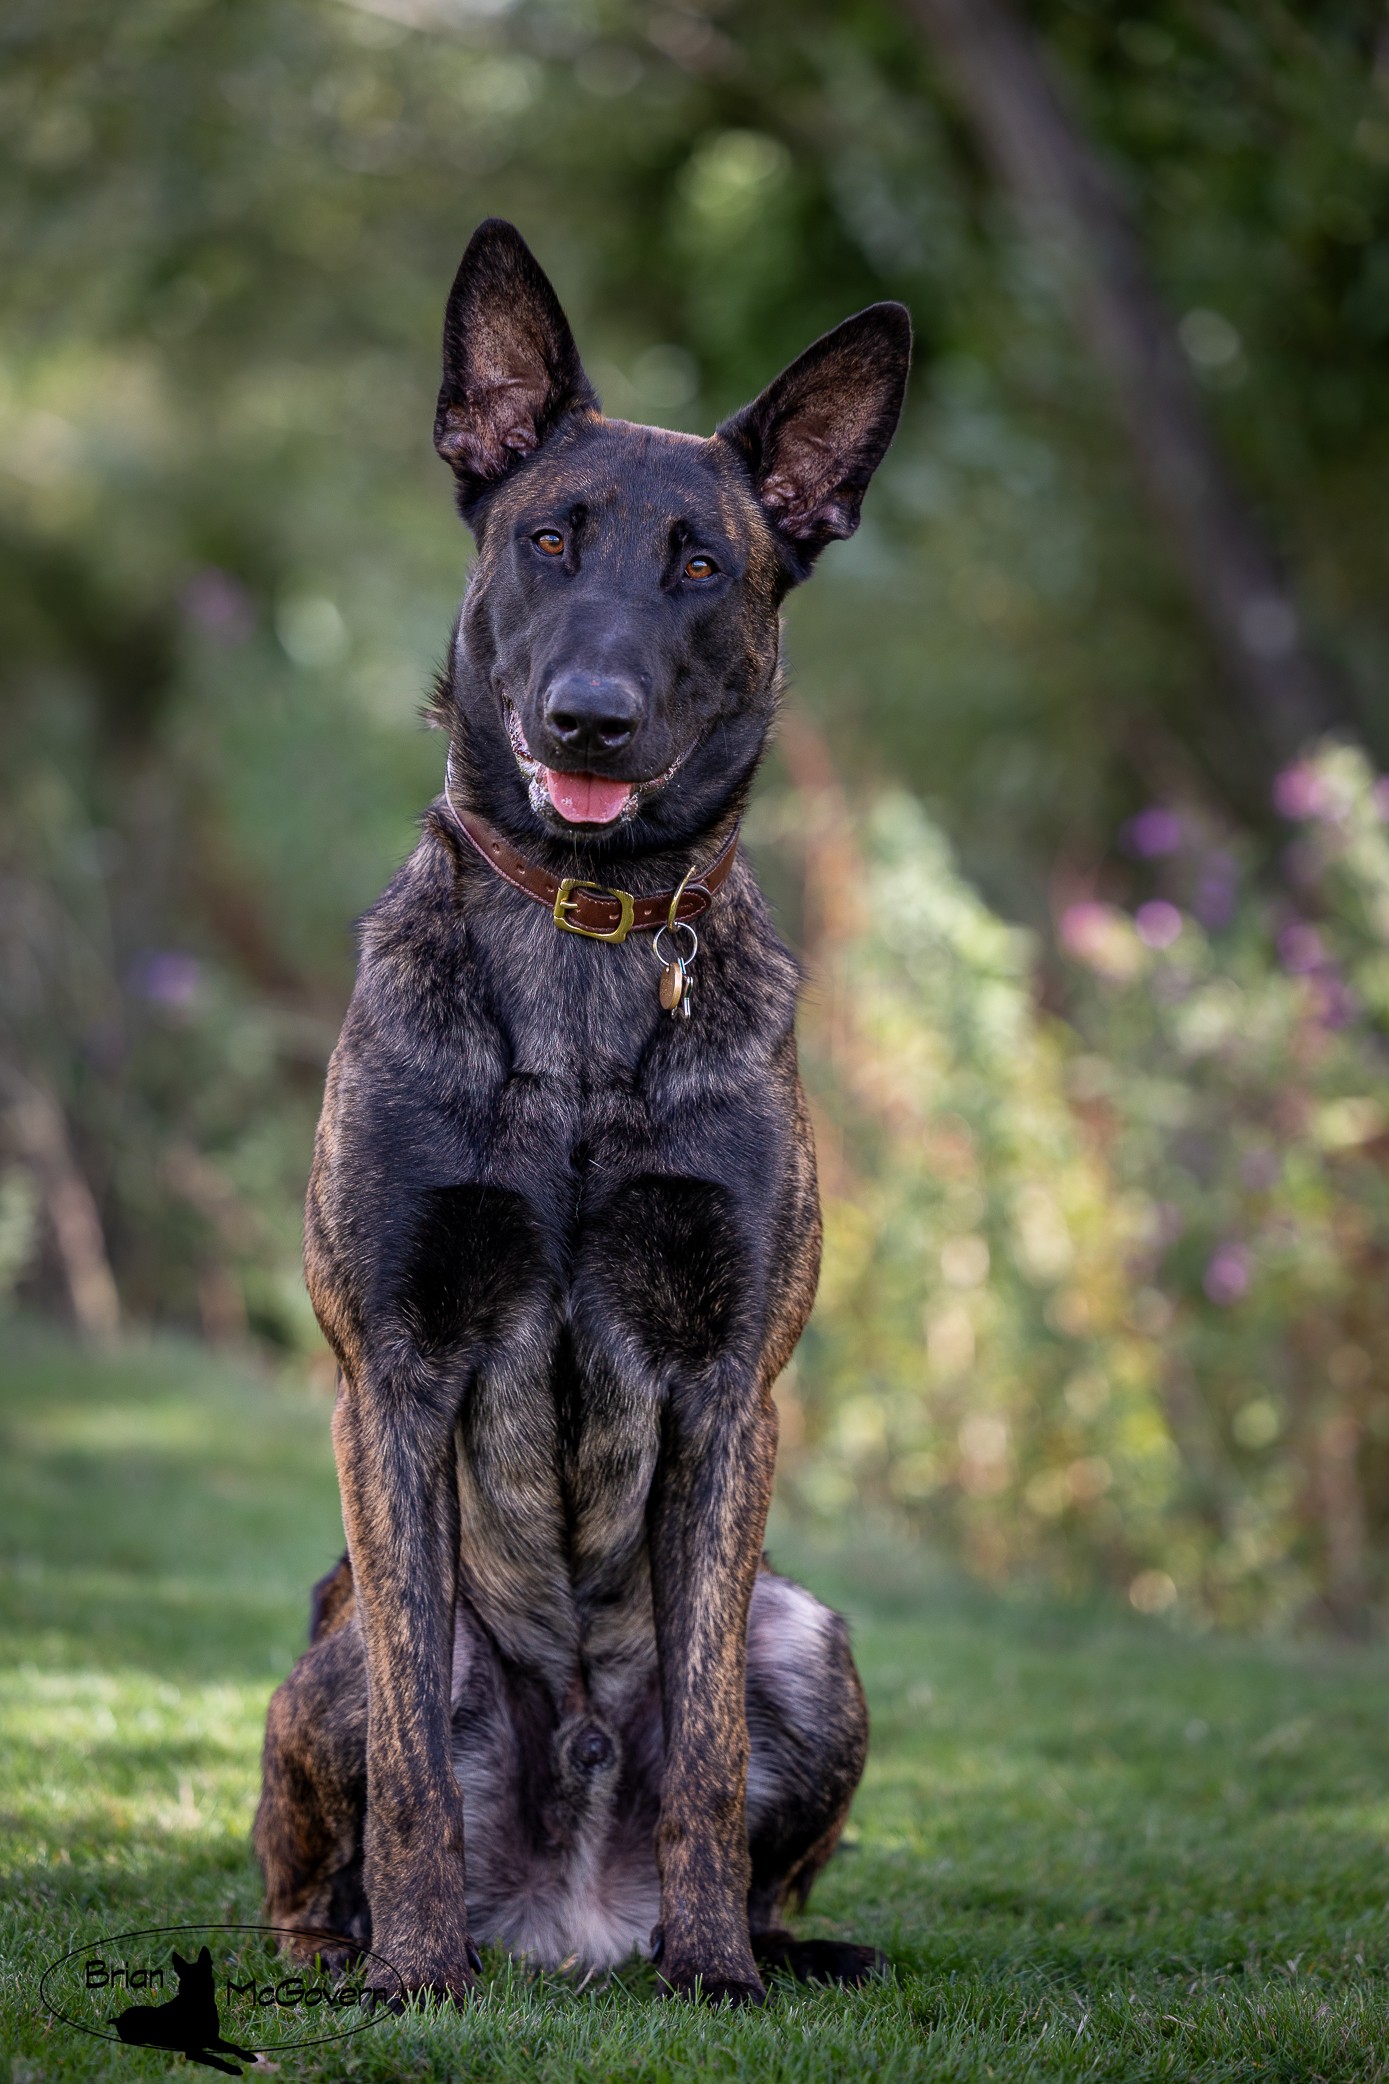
pixel 194 1976
pixel 614 672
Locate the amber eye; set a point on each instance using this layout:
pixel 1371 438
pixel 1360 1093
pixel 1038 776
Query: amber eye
pixel 700 567
pixel 550 541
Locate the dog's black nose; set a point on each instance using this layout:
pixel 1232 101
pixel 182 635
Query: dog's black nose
pixel 593 712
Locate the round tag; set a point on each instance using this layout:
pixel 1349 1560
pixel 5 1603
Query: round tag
pixel 672 984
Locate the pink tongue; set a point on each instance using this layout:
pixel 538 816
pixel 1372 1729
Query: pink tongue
pixel 586 799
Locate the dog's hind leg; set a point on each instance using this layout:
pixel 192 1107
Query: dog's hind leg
pixel 808 1727
pixel 308 1831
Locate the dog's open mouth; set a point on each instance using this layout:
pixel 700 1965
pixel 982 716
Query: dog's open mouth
pixel 586 799
pixel 580 799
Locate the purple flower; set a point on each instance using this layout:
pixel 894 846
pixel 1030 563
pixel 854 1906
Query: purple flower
pixel 1158 923
pixel 1380 795
pixel 1227 1275
pixel 167 976
pixel 1214 904
pixel 1154 831
pixel 1300 948
pixel 220 605
pixel 1299 792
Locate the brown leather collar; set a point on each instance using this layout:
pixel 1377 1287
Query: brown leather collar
pixel 599 911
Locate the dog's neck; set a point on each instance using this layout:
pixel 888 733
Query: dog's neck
pixel 595 910
pixel 644 860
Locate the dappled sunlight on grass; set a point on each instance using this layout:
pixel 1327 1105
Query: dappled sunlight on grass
pixel 115 1429
pixel 127 1769
pixel 1091 1845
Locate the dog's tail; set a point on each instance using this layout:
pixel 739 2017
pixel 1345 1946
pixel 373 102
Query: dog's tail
pixel 332 1599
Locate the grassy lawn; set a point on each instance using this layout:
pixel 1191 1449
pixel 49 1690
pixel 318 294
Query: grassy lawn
pixel 1091 1846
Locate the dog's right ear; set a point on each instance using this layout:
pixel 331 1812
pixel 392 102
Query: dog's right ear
pixel 511 369
pixel 815 436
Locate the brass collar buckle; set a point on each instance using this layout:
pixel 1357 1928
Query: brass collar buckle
pixel 564 904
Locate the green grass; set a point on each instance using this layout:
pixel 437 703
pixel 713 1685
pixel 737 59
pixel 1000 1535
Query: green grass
pixel 1091 1846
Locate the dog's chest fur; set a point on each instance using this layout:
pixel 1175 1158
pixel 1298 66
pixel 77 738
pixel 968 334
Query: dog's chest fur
pixel 580 1221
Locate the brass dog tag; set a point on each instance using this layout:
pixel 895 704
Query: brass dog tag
pixel 675 968
pixel 674 985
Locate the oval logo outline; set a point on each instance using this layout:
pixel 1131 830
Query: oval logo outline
pixel 378 2011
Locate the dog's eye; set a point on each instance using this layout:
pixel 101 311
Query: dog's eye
pixel 700 567
pixel 550 541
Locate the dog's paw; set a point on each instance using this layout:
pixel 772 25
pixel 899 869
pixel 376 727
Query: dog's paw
pixel 381 1996
pixel 447 1975
pixel 818 1960
pixel 697 1988
pixel 426 1986
pixel 334 1954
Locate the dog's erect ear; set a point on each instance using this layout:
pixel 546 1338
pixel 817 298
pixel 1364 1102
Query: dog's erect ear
pixel 205 1958
pixel 817 434
pixel 511 369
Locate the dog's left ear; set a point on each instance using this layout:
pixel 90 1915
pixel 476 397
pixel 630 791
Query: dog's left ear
pixel 818 432
pixel 511 369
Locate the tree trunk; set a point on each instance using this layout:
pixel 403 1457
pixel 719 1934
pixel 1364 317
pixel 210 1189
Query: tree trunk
pixel 40 1135
pixel 1061 189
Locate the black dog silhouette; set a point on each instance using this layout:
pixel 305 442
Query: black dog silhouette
pixel 188 2024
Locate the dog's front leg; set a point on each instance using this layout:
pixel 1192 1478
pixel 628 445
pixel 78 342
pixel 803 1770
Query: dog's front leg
pixel 393 1434
pixel 709 1513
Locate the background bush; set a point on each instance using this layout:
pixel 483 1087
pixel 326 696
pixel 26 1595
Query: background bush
pixel 1099 1068
pixel 1104 1295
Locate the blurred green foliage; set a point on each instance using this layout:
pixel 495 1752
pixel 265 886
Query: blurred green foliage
pixel 1105 1296
pixel 228 563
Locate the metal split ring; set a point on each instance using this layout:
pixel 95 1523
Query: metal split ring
pixel 674 927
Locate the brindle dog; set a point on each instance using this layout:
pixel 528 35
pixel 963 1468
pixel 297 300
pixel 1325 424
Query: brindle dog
pixel 562 1243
